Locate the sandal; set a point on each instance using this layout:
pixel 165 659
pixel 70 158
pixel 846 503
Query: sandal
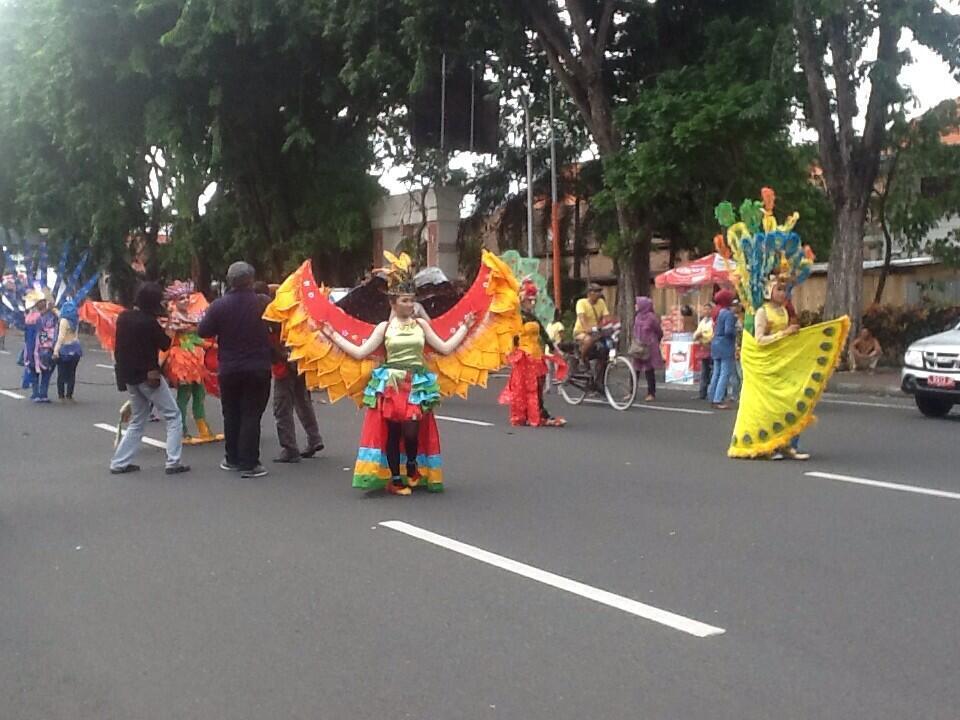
pixel 396 487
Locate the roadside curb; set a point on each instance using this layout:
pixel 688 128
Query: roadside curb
pixel 881 387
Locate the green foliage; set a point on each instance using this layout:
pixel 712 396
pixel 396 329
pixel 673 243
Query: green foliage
pixel 714 129
pixel 922 184
pixel 120 115
pixel 897 327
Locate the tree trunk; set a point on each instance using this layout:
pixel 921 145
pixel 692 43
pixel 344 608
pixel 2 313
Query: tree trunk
pixel 887 261
pixel 633 268
pixel 845 273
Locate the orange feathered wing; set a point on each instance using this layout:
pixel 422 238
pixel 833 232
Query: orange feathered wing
pixel 493 299
pixel 103 317
pixel 301 306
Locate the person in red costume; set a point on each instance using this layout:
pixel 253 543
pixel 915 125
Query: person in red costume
pixel 524 390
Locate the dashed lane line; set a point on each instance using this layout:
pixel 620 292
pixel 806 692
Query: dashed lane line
pixel 885 485
pixel 105 367
pixel 11 394
pixel 146 440
pixel 858 403
pixel 648 612
pixel 660 408
pixel 464 421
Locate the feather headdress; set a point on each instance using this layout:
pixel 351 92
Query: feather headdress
pixel 400 274
pixel 761 249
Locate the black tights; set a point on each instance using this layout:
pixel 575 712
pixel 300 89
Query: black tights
pixel 410 431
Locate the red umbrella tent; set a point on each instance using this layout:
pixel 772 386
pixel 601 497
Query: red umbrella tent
pixel 709 270
pixel 681 354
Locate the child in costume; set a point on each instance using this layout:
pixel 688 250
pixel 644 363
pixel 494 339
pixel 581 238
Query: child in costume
pixel 40 336
pixel 524 390
pixel 785 368
pixel 184 366
pixel 400 368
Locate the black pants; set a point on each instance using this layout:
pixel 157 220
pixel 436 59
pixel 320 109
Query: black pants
pixel 651 376
pixel 243 396
pixel 66 376
pixel 706 370
pixel 410 432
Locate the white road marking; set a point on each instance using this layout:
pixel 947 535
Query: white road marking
pixel 4 352
pixel 857 403
pixel 648 612
pixel 105 367
pixel 146 440
pixel 11 394
pixel 464 421
pixel 661 408
pixel 886 485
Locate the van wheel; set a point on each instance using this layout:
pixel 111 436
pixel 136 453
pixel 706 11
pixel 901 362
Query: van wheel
pixel 933 407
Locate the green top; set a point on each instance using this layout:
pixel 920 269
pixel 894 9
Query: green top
pixel 404 343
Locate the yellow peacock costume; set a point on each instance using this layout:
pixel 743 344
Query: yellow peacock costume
pixel 784 373
pixel 404 378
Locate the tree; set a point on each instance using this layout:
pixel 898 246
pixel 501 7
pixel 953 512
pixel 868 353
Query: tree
pixel 832 36
pixel 919 187
pixel 728 108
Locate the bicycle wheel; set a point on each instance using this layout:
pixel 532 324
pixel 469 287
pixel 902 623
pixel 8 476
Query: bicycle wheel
pixel 620 383
pixel 573 389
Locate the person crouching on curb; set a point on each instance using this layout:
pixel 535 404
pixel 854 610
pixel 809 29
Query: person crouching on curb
pixel 140 340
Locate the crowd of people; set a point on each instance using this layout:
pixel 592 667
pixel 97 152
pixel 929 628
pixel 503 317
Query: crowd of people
pixel 249 355
pixel 258 340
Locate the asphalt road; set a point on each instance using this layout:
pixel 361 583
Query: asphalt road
pixel 207 596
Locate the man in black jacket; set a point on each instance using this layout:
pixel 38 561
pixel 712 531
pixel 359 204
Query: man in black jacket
pixel 140 339
pixel 236 320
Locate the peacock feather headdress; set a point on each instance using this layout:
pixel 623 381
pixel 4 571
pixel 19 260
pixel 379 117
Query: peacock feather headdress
pixel 761 249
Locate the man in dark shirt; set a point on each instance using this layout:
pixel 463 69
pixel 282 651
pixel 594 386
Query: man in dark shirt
pixel 140 339
pixel 236 321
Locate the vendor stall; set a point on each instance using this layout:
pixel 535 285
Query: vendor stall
pixel 691 284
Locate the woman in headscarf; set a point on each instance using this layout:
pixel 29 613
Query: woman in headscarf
pixel 723 348
pixel 67 350
pixel 647 334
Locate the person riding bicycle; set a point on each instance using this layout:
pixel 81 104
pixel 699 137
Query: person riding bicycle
pixel 592 315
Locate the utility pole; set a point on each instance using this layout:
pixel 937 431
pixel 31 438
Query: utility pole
pixel 554 208
pixel 526 118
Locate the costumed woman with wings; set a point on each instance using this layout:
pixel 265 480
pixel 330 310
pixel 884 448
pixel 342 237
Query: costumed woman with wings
pixel 401 367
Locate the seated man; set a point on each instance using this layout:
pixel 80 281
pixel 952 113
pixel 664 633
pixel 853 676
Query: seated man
pixel 592 314
pixel 865 352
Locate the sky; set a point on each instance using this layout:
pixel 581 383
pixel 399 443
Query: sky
pixel 928 77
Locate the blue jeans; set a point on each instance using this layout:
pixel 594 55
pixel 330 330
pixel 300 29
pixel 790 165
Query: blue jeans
pixel 142 396
pixel 720 378
pixel 736 379
pixel 67 376
pixel 40 382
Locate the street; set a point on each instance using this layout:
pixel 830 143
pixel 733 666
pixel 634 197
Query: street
pixel 621 567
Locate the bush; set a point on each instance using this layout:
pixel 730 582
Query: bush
pixel 897 327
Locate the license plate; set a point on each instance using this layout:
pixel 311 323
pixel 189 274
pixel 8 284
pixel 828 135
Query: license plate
pixel 940 381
